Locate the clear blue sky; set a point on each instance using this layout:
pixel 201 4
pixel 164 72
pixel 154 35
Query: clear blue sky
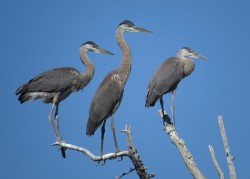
pixel 41 35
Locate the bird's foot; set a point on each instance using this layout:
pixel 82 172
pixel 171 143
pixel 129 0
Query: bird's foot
pixel 117 151
pixel 101 160
pixel 120 159
pixel 63 149
pixel 166 120
pixel 60 140
pixel 101 156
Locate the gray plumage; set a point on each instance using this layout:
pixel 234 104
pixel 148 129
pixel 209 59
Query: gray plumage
pixel 109 94
pixel 55 85
pixel 105 102
pixel 58 82
pixel 167 77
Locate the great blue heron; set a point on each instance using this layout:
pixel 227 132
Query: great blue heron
pixel 168 75
pixel 109 94
pixel 55 85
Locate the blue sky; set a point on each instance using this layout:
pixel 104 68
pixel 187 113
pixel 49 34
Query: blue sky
pixel 41 35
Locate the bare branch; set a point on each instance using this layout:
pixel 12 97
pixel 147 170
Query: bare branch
pixel 220 173
pixel 125 173
pixel 90 154
pixel 181 145
pixel 131 153
pixel 230 158
pixel 135 157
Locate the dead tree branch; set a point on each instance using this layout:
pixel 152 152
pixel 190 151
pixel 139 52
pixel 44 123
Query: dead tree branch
pixel 220 173
pixel 108 156
pixel 131 153
pixel 230 158
pixel 135 157
pixel 181 145
pixel 125 173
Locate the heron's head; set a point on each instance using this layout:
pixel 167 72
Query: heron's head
pixel 129 26
pixel 93 47
pixel 188 52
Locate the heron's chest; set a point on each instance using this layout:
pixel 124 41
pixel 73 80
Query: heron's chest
pixel 80 83
pixel 188 67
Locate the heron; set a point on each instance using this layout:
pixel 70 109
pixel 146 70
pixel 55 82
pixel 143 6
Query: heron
pixel 167 77
pixel 54 85
pixel 109 94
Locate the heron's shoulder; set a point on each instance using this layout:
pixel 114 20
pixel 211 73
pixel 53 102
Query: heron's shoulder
pixel 113 76
pixel 57 73
pixel 112 79
pixel 171 62
pixel 66 71
pixel 61 70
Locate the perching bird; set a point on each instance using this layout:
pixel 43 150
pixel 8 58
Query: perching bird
pixel 55 85
pixel 109 94
pixel 168 75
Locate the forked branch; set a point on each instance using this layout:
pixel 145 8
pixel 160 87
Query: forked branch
pixel 135 157
pixel 131 153
pixel 230 158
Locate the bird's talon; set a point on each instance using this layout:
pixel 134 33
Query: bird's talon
pixel 117 151
pixel 121 159
pixel 101 159
pixel 60 140
pixel 63 151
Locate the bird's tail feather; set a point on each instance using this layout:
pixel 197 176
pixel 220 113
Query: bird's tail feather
pixel 151 99
pixel 90 128
pixel 93 125
pixel 22 89
pixel 27 97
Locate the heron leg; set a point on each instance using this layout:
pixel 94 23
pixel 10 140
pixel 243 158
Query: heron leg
pixel 51 120
pixel 57 124
pixel 172 107
pixel 114 135
pixel 59 138
pixel 102 137
pixel 165 117
pixel 63 149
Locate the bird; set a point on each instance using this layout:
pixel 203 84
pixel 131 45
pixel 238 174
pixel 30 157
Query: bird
pixel 167 77
pixel 109 94
pixel 54 85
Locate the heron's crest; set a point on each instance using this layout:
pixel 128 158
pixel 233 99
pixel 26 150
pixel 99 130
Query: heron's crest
pixel 127 22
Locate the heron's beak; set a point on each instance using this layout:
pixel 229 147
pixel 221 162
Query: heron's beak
pixel 100 50
pixel 203 57
pixel 139 29
pixel 196 55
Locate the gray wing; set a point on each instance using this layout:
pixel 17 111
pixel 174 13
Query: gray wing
pixel 164 80
pixel 105 101
pixel 49 84
pixel 55 80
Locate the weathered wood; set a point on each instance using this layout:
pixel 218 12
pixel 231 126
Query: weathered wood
pixel 181 145
pixel 90 154
pixel 132 153
pixel 135 157
pixel 230 158
pixel 220 173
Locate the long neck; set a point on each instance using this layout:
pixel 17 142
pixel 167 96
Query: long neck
pixel 88 74
pixel 125 67
pixel 188 66
pixel 180 55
